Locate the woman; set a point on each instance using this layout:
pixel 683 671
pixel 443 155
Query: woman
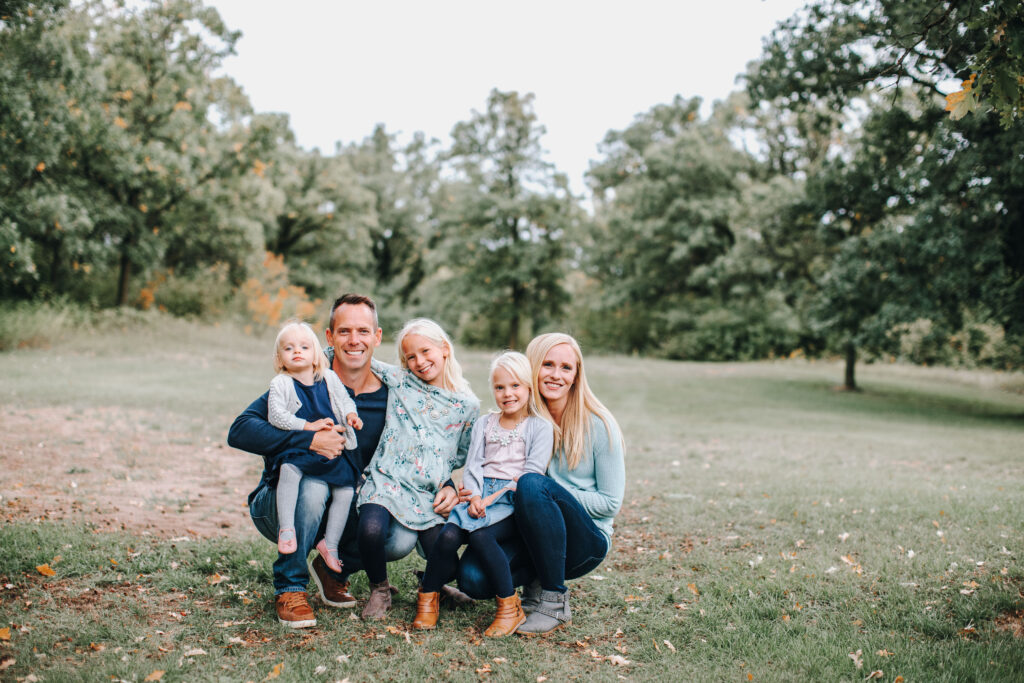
pixel 564 518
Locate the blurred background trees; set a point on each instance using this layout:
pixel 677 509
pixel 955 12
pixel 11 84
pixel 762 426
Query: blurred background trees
pixel 861 195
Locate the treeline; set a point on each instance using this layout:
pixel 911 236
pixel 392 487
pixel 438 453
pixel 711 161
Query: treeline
pixel 832 205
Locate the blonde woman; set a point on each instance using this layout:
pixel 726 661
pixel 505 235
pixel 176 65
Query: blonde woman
pixel 565 517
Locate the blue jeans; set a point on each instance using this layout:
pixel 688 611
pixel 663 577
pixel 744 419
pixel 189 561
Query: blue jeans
pixel 290 572
pixel 557 541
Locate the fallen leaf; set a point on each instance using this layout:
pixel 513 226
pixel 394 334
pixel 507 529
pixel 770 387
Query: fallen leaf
pixel 236 640
pixel 500 660
pixel 669 645
pixel 320 669
pixel 485 669
pixel 618 660
pixel 342 659
pixel 884 653
pixel 898 679
pixel 45 570
pixel 97 647
pixel 276 671
pixel 214 579
pixel 541 679
pixel 5 633
pixel 843 536
pixel 195 651
pixel 155 676
pixel 6 661
pixel 877 673
pixel 693 588
pixel 855 656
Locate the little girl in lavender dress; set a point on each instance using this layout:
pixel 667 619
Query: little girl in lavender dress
pixel 503 446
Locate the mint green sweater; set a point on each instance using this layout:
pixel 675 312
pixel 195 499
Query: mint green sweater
pixel 599 481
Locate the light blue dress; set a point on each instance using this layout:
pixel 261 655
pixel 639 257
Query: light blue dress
pixel 426 436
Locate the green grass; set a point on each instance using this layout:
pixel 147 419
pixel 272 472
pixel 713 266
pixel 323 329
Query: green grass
pixel 772 526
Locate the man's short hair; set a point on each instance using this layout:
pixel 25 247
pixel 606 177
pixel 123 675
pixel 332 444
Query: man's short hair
pixel 352 299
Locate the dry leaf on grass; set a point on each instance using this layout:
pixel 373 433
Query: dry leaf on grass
pixel 45 570
pixel 276 671
pixel 195 652
pixel 855 656
pixel 877 673
pixel 884 653
pixel 693 588
pixel 155 676
pixel 6 661
pixel 214 579
pixel 5 633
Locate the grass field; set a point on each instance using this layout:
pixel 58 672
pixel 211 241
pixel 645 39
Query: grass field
pixel 774 528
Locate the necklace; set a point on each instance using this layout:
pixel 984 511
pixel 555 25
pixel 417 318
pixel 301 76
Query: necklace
pixel 507 437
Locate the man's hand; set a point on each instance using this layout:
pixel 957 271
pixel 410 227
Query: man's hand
pixel 329 443
pixel 445 500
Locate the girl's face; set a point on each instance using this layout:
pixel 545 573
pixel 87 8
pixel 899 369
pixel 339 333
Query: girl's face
pixel 511 395
pixel 296 351
pixel 557 374
pixel 424 358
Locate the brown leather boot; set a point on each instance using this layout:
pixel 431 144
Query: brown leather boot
pixel 427 609
pixel 510 616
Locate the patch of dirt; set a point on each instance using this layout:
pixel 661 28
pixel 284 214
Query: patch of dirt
pixel 122 469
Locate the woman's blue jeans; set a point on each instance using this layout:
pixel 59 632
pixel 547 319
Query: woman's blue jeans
pixel 290 571
pixel 557 541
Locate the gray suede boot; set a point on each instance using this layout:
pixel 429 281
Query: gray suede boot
pixel 553 612
pixel 531 596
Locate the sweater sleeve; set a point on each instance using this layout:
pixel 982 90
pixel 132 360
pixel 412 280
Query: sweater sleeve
pixel 609 473
pixel 341 405
pixel 389 374
pixel 277 404
pixel 542 443
pixel 474 460
pixel 253 433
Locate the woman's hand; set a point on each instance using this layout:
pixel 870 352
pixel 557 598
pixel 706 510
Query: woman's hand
pixel 446 499
pixel 477 507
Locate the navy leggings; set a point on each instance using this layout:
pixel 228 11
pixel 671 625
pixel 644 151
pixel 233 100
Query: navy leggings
pixel 374 526
pixel 485 542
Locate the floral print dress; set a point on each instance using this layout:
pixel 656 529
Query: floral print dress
pixel 426 436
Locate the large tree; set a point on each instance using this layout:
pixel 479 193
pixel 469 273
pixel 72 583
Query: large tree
pixel 506 220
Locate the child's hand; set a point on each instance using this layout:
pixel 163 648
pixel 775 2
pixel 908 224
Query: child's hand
pixel 354 421
pixel 477 508
pixel 320 425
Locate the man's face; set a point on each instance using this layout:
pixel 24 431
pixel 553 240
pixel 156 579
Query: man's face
pixel 354 336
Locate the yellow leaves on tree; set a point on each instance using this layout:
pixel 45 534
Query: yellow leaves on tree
pixel 41 166
pixel 267 306
pixel 120 122
pixel 961 102
pixel 182 106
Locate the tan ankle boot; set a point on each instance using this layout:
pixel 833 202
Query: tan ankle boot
pixel 509 617
pixel 427 608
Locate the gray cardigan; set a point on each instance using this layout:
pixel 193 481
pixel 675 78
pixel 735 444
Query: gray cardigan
pixel 538 434
pixel 283 401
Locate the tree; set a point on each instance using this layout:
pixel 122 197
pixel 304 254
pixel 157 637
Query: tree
pixel 505 220
pixel 665 193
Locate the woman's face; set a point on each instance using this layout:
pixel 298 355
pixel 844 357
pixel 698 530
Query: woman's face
pixel 557 374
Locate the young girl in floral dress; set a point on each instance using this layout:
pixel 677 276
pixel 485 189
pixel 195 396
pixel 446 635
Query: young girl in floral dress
pixel 504 445
pixel 426 436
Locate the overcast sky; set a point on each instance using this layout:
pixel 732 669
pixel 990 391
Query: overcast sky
pixel 338 68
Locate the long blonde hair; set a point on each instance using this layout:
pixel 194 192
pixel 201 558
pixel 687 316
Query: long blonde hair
pixel 319 359
pixel 572 436
pixel 517 365
pixel 451 376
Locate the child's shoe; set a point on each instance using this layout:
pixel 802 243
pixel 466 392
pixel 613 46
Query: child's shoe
pixel 286 544
pixel 427 609
pixel 330 557
pixel 508 618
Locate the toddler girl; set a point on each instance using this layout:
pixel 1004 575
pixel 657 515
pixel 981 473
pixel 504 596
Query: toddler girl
pixel 504 445
pixel 306 394
pixel 426 436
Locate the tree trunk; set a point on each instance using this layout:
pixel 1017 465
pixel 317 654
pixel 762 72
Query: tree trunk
pixel 851 361
pixel 123 277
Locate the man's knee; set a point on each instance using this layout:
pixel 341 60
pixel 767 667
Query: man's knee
pixel 400 542
pixel 312 501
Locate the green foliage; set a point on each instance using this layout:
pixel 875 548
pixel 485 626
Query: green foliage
pixel 505 223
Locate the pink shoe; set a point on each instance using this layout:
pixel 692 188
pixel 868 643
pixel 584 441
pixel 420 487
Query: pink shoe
pixel 286 544
pixel 330 558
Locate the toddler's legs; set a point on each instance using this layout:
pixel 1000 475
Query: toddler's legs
pixel 443 558
pixel 287 497
pixel 485 543
pixel 337 516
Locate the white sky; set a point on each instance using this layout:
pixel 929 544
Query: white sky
pixel 338 68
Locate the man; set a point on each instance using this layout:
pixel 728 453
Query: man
pixel 352 335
